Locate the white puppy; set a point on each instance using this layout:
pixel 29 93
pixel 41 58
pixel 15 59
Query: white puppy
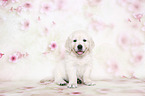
pixel 78 61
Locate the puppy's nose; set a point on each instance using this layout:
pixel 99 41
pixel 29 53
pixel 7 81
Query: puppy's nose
pixel 80 47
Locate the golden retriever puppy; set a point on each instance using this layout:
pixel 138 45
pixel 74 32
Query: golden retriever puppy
pixel 77 65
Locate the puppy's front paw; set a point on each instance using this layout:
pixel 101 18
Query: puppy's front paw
pixel 72 85
pixel 89 83
pixel 61 83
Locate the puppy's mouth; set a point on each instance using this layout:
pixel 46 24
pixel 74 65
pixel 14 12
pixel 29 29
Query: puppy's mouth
pixel 80 52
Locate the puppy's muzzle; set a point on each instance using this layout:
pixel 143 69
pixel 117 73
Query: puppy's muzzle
pixel 80 49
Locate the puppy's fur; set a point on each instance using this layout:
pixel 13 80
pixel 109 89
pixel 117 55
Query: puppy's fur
pixel 78 61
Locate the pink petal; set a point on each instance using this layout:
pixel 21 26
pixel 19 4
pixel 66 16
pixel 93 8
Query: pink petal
pixel 1 54
pixel 138 16
pixel 13 58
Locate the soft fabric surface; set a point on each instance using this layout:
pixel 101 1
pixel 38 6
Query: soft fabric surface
pixel 120 87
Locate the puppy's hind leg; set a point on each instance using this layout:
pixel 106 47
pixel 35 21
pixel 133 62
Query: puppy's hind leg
pixel 47 80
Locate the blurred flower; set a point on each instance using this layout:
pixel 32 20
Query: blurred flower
pixel 53 23
pixel 1 54
pixel 122 2
pixel 20 55
pixel 38 18
pixel 46 7
pixel 129 20
pixel 124 41
pixel 3 3
pixel 134 7
pixel 18 9
pixel 138 16
pixel 113 67
pixel 132 75
pixel 53 45
pixel 46 31
pixel 60 4
pixel 17 55
pixel 13 58
pixel 14 1
pixel 94 2
pixel 137 57
pixel 27 6
pixel 98 25
pixel 25 25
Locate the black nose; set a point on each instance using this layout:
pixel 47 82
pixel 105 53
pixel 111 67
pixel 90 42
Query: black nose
pixel 80 46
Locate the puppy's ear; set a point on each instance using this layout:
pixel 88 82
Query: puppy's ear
pixel 68 45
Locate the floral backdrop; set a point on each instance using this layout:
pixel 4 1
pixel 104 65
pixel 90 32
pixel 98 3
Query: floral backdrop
pixel 33 33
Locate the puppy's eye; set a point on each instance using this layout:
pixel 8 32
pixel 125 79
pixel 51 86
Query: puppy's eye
pixel 84 40
pixel 75 41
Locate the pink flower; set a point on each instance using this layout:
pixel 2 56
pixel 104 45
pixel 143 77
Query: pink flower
pixel 3 3
pixel 53 45
pixel 18 9
pixel 60 4
pixel 45 32
pixel 113 67
pixel 124 41
pixel 134 7
pixel 46 8
pixel 25 25
pixel 128 20
pixel 38 18
pixel 132 75
pixel 17 55
pixel 98 25
pixel 14 1
pixel 27 6
pixel 137 57
pixel 20 55
pixel 93 2
pixel 53 23
pixel 122 2
pixel 1 54
pixel 138 16
pixel 13 58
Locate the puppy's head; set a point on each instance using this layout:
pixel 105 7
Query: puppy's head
pixel 79 42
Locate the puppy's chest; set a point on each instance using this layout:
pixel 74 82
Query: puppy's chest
pixel 80 70
pixel 83 61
